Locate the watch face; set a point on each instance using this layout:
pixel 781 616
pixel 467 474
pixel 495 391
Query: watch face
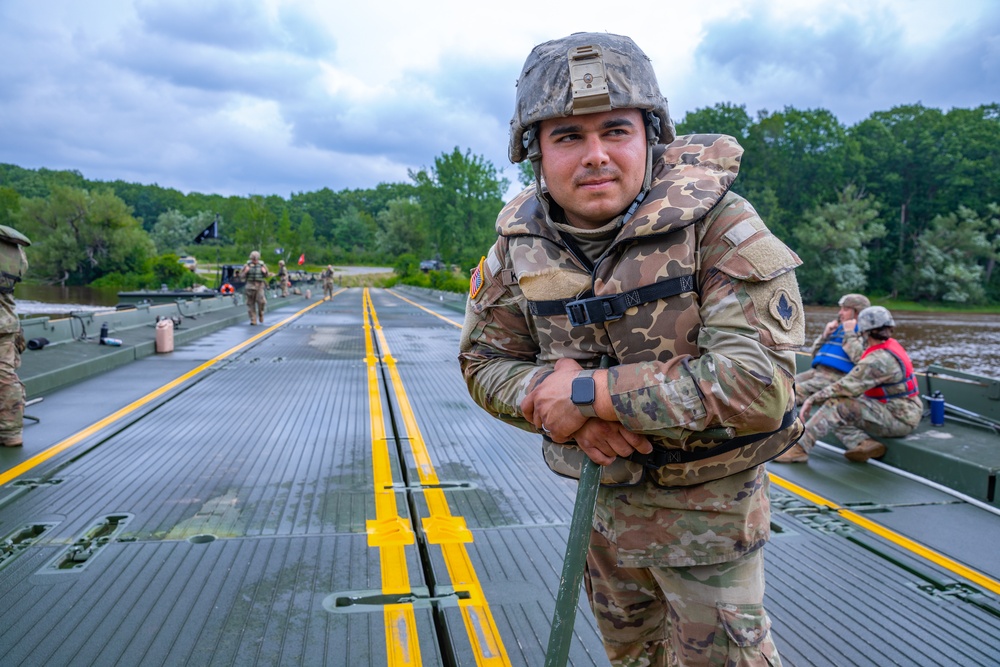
pixel 583 391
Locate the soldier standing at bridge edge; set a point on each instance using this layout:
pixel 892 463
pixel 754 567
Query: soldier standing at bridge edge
pixel 13 266
pixel 631 245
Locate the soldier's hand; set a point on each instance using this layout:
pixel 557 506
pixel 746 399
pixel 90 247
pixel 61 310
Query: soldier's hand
pixel 805 409
pixel 549 407
pixel 849 325
pixel 831 327
pixel 602 441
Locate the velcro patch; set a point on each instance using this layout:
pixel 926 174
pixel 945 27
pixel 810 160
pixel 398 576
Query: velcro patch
pixel 476 279
pixel 783 308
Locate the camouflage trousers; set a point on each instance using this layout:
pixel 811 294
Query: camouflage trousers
pixel 680 616
pixel 852 420
pixel 256 301
pixel 809 382
pixel 328 289
pixel 11 392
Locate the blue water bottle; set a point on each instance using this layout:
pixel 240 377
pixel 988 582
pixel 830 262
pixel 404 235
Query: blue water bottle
pixel 937 408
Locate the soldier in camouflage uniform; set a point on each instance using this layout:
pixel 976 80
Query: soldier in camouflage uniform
pixel 879 397
pixel 633 247
pixel 327 277
pixel 13 266
pixel 255 273
pixel 283 277
pixel 835 351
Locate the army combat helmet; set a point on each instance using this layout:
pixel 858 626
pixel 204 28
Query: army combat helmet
pixel 856 301
pixel 874 317
pixel 587 72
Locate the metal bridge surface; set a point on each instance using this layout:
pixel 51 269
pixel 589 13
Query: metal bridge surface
pixel 324 492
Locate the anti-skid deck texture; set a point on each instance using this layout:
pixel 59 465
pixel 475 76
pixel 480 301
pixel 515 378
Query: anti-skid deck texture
pixel 242 499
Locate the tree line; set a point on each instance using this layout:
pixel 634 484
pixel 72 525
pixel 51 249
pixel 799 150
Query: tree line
pixel 905 204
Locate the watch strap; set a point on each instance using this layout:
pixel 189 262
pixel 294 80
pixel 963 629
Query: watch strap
pixel 587 410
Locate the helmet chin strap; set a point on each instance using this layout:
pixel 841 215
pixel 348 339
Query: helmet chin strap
pixel 530 142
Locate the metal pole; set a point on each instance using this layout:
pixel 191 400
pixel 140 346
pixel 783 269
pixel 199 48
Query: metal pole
pixel 575 561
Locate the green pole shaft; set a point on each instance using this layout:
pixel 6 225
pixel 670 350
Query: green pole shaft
pixel 568 595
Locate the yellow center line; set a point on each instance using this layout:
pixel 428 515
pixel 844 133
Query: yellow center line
pixel 389 531
pixel 894 537
pixel 77 437
pixel 446 530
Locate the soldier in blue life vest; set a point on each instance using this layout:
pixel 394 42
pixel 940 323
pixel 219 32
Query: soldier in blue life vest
pixel 13 266
pixel 835 351
pixel 879 397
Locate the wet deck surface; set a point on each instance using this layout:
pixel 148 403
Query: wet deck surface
pixel 237 506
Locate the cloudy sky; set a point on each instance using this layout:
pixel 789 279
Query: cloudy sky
pixel 242 97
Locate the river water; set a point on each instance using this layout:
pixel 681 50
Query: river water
pixel 969 342
pixel 965 341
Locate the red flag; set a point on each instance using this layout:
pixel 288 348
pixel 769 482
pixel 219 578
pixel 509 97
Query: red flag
pixel 302 259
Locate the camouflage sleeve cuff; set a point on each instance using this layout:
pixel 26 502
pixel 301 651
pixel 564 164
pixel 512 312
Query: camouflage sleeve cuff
pixel 646 401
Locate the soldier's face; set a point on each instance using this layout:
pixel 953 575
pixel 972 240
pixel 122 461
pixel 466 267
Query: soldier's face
pixel 594 165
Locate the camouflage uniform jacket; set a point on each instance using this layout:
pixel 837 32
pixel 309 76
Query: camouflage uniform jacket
pixel 721 360
pixel 13 265
pixel 878 368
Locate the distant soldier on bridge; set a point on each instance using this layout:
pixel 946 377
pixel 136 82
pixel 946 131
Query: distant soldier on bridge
pixel 13 267
pixel 255 273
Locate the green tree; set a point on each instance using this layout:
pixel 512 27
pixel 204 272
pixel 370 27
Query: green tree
pixel 79 236
pixel 723 118
pixel 461 197
pixel 949 258
pixel 305 238
pixel 831 241
pixel 803 157
pixel 174 231
pixel 254 228
pixel 10 205
pixel 402 229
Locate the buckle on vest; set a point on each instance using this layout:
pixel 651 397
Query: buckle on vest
pixel 593 310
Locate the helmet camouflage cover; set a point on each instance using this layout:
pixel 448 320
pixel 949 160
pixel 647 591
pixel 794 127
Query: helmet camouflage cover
pixel 587 72
pixel 875 317
pixel 856 301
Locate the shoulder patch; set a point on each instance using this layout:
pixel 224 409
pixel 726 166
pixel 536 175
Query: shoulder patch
pixel 784 308
pixel 476 279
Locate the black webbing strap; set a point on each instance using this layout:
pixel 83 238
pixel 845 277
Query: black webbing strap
pixel 596 309
pixel 661 456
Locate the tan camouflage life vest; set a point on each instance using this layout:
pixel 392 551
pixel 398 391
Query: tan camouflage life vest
pixel 650 271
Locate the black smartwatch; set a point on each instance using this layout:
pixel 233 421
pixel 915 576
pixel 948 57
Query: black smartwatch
pixel 583 393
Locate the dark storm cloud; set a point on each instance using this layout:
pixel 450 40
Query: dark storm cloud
pixel 852 67
pixel 424 115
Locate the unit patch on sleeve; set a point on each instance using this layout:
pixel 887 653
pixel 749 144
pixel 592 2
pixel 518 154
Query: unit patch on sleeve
pixel 783 308
pixel 476 280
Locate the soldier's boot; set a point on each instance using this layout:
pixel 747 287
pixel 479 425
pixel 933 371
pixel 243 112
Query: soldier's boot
pixel 794 454
pixel 866 449
pixel 14 441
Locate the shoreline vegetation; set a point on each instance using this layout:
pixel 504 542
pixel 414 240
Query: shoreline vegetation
pixel 859 204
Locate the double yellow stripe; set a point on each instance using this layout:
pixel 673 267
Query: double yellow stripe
pixel 441 527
